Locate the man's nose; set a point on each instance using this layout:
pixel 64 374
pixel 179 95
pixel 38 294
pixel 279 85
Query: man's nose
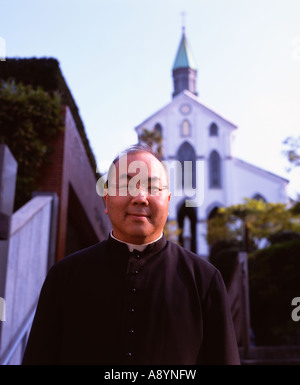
pixel 141 197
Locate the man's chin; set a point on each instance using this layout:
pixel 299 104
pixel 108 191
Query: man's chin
pixel 139 237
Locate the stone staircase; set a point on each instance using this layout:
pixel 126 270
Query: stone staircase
pixel 271 355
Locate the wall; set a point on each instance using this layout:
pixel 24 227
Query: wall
pixel 253 180
pixel 69 173
pixel 27 265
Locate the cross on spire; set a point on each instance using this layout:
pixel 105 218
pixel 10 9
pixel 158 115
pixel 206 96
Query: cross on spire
pixel 183 15
pixel 184 69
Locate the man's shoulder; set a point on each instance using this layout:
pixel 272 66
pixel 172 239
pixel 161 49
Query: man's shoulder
pixel 195 268
pixel 190 257
pixel 87 256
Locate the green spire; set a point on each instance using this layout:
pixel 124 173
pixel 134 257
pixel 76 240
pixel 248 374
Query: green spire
pixel 184 57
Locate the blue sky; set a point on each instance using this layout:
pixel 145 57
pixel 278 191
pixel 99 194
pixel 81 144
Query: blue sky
pixel 117 57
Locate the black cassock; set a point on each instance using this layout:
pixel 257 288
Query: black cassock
pixel 104 305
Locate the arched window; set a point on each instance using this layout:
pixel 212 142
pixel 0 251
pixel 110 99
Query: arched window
pixel 186 153
pixel 214 170
pixel 259 197
pixel 213 209
pixel 191 214
pixel 213 130
pixel 158 129
pixel 214 212
pixel 185 129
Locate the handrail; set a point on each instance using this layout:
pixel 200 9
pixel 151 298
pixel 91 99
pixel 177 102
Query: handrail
pixel 27 212
pixel 238 297
pixel 18 339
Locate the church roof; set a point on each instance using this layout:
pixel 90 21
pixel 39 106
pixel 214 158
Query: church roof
pixel 256 169
pixel 184 57
pixel 189 95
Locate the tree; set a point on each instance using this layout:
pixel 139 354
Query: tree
pixel 292 151
pixel 30 119
pixel 273 269
pixel 251 222
pixel 153 139
pixel 274 280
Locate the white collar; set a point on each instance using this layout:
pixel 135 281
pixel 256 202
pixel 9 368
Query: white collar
pixel 132 246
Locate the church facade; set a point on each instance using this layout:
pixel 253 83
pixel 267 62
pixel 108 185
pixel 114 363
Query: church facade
pixel 196 147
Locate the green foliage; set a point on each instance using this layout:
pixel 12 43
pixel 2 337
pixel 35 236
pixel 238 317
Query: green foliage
pixel 251 222
pixel 45 73
pixel 274 272
pixel 30 119
pixel 292 151
pixel 171 231
pixel 223 255
pixel 283 236
pixel 153 139
pixel 274 280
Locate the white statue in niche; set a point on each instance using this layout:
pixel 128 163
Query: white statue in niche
pixel 186 234
pixel 2 309
pixel 2 49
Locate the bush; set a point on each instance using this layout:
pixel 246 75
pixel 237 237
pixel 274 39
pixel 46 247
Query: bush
pixel 30 119
pixel 223 256
pixel 274 280
pixel 283 236
pixel 45 73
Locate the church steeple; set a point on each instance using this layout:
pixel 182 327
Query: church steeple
pixel 184 68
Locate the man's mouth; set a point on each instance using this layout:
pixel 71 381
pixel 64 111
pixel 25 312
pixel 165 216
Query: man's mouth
pixel 138 214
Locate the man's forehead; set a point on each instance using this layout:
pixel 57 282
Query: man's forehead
pixel 134 163
pixel 149 178
pixel 141 165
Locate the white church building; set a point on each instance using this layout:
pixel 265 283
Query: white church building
pixel 196 146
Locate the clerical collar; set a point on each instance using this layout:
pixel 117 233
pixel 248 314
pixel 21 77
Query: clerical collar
pixel 132 246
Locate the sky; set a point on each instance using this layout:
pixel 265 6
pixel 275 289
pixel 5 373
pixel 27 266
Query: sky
pixel 117 57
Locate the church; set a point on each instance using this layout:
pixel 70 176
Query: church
pixel 196 146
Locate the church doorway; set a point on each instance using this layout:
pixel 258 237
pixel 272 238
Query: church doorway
pixel 187 221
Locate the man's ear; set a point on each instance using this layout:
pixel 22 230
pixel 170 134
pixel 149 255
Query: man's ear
pixel 105 201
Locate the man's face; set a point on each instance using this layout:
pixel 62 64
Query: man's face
pixel 137 202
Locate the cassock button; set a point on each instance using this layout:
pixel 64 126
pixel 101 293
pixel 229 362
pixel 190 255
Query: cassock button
pixel 129 355
pixel 131 310
pixel 133 290
pixel 135 272
pixel 131 332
